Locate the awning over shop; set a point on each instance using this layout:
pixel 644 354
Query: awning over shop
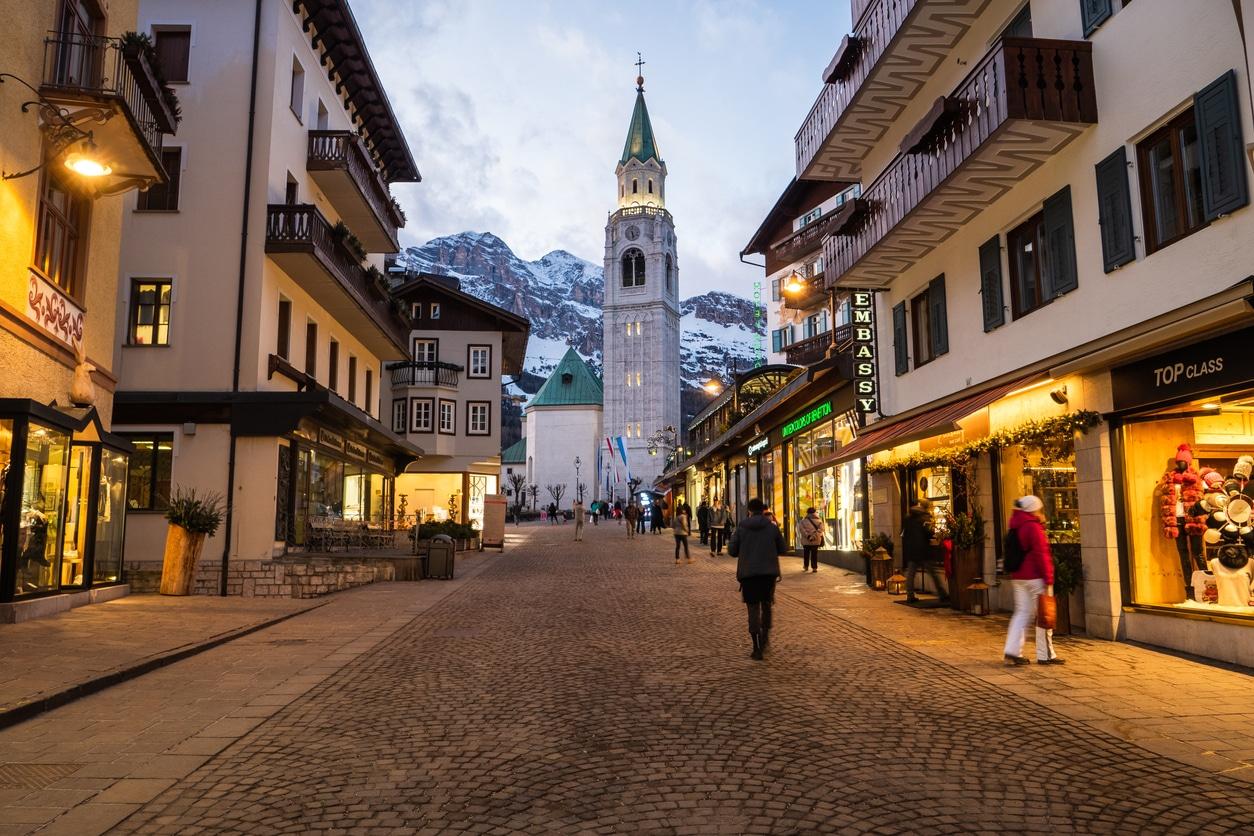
pixel 919 424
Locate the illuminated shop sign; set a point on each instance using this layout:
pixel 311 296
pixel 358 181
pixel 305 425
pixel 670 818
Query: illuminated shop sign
pixel 806 419
pixel 862 308
pixel 757 446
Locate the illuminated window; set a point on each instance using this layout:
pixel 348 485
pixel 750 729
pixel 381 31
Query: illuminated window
pixel 150 312
pixel 148 484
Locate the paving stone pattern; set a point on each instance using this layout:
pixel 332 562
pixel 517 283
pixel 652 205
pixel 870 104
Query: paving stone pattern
pixel 601 689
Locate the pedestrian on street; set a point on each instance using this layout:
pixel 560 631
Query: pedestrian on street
pixel 631 514
pixel 703 520
pixel 639 516
pixel 596 509
pixel 552 513
pixel 810 535
pixel 1034 576
pixel 757 544
pixel 655 518
pixel 618 511
pixel 916 549
pixel 718 527
pixel 681 525
pixel 577 508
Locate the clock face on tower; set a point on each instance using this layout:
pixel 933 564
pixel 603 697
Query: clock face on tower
pixel 633 232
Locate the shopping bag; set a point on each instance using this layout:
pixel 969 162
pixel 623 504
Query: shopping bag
pixel 1046 612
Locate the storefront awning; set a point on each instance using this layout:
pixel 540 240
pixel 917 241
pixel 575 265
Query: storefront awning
pixel 920 424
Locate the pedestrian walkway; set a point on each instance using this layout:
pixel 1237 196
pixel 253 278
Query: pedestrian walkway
pixel 598 688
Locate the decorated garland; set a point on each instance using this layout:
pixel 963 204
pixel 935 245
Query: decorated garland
pixel 1031 434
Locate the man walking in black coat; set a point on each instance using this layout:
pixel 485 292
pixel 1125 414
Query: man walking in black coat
pixel 703 520
pixel 757 544
pixel 916 549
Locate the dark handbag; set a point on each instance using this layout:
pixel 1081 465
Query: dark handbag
pixel 1046 612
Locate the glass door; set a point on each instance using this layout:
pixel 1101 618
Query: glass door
pixel 77 515
pixel 44 478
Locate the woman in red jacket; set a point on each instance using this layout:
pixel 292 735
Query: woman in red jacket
pixel 1034 577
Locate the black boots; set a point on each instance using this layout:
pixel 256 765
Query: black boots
pixel 766 637
pixel 759 644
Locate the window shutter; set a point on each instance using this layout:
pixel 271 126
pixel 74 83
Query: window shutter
pixel 991 285
pixel 937 316
pixel 1060 270
pixel 1221 144
pixel 900 350
pixel 1114 210
pixel 1093 13
pixel 777 343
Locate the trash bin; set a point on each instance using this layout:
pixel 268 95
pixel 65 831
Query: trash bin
pixel 440 557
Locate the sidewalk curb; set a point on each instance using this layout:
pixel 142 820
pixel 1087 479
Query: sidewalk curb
pixel 32 708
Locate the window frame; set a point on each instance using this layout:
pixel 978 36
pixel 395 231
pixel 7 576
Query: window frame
pixel 435 310
pixel 352 379
pixel 163 29
pixel 452 411
pixel 471 407
pixel 637 258
pixel 414 425
pixel 283 336
pixel 296 95
pixel 170 190
pixel 402 426
pixel 470 363
pixel 1171 129
pixel 434 341
pixel 333 364
pixel 74 222
pixel 132 323
pixel 1037 222
pixel 311 348
pixel 921 328
pixel 156 437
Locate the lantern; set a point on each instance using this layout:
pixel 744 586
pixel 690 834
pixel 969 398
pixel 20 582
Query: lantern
pixel 977 597
pixel 881 568
pixel 897 584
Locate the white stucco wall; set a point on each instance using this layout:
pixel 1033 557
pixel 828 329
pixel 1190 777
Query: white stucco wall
pixel 555 436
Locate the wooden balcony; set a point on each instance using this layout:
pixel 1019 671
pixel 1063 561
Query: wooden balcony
pixel 1026 100
pixel 811 350
pixel 814 295
pixel 408 373
pixel 301 242
pixel 94 80
pixel 342 168
pixel 896 46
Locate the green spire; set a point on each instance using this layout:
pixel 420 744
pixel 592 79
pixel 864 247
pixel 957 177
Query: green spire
pixel 571 384
pixel 641 144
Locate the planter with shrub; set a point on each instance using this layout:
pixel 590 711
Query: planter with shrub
pixel 193 517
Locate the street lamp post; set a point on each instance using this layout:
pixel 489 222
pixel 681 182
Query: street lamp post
pixel 578 484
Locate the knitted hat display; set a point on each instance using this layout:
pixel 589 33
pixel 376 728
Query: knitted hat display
pixel 1184 453
pixel 1233 555
pixel 1243 468
pixel 1211 478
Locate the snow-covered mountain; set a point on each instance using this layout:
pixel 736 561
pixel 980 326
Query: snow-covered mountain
pixel 561 294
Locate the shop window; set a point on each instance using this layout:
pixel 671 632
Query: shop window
pixel 63 220
pixel 1042 256
pixel 110 517
pixel 478 418
pixel 633 268
pixel 422 419
pixel 283 342
pixel 1171 182
pixel 42 507
pixel 1048 472
pixel 173 48
pixel 164 197
pixel 150 312
pixel 479 362
pixel 426 351
pixel 448 417
pixel 1179 466
pixel 148 485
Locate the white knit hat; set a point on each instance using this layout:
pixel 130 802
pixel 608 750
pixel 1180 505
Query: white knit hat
pixel 1029 503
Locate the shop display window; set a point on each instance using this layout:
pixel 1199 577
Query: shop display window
pixel 936 485
pixel 43 498
pixel 1187 492
pixel 110 517
pixel 6 461
pixel 1051 475
pixel 77 514
pixel 836 493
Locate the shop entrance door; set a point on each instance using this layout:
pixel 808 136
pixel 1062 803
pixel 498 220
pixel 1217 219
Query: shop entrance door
pixel 77 516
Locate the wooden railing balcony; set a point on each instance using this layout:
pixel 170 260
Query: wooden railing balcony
pixel 424 373
pixel 1043 89
pixel 341 166
pixel 813 349
pixel 813 295
pixel 301 241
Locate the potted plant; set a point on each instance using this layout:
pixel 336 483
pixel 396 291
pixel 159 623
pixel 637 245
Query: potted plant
pixel 344 236
pixel 966 533
pixel 1068 576
pixel 193 517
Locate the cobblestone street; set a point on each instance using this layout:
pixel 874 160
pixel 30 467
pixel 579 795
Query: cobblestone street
pixel 597 687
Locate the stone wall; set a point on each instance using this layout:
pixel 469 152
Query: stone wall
pixel 289 577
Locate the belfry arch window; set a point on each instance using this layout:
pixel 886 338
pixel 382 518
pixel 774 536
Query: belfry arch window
pixel 650 185
pixel 633 268
pixel 669 271
pixel 635 186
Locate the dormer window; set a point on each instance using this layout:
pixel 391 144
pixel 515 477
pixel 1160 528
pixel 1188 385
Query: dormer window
pixel 567 377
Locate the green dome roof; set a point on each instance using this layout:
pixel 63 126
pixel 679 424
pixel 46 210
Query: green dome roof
pixel 641 144
pixel 571 384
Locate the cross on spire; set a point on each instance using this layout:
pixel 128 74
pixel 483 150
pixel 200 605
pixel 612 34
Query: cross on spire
pixel 640 62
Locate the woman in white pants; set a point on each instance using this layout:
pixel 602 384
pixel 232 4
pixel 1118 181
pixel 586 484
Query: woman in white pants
pixel 1033 577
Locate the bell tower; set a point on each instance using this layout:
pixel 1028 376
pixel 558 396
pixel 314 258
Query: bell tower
pixel 641 311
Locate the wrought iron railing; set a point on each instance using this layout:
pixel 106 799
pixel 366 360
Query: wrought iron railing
pixel 96 66
pixel 424 373
pixel 1020 78
pixel 344 149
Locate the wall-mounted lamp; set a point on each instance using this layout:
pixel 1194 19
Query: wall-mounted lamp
pixel 1059 395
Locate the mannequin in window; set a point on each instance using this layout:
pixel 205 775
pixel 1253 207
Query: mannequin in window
pixel 1179 491
pixel 1233 575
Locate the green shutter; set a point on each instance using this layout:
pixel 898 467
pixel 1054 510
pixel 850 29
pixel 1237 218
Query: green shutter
pixel 900 349
pixel 1114 210
pixel 1060 268
pixel 1222 147
pixel 1093 13
pixel 991 284
pixel 937 316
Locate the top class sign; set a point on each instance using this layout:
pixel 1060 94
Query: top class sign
pixel 862 307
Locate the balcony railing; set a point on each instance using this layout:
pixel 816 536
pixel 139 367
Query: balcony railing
pixel 1038 81
pixel 343 150
pixel 649 211
pixel 425 374
pixel 301 228
pixel 813 349
pixel 98 67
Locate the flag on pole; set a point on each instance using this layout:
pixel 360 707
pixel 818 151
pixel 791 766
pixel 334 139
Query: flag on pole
pixel 622 449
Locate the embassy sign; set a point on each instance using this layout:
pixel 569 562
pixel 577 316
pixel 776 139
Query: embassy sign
pixel 862 309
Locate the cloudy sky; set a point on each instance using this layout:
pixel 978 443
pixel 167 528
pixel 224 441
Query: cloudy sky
pixel 517 112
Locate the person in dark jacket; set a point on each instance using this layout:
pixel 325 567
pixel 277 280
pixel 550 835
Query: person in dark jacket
pixel 719 518
pixel 1033 577
pixel 703 520
pixel 916 549
pixel 655 517
pixel 757 544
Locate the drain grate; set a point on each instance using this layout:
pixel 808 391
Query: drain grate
pixel 34 776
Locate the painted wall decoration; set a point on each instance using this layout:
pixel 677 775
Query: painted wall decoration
pixel 53 311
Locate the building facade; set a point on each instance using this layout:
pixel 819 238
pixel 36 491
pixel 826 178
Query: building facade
pixel 1049 231
pixel 447 399
pixel 640 319
pixel 253 316
pixel 85 112
pixel 563 436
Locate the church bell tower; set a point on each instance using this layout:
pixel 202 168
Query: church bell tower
pixel 641 311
